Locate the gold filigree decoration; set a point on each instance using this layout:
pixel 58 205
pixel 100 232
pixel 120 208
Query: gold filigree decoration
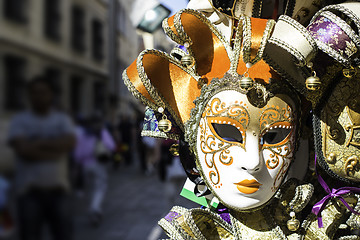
pixel 275 155
pixel 236 111
pixel 352 165
pixel 354 138
pixel 286 153
pixel 274 114
pixel 212 148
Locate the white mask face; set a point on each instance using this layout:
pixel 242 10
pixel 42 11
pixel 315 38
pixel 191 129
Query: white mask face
pixel 244 152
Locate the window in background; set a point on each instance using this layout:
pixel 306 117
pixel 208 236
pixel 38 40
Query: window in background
pixel 53 75
pixel 76 85
pixel 78 29
pixel 15 10
pixel 99 96
pixel 14 73
pixel 97 39
pixel 52 20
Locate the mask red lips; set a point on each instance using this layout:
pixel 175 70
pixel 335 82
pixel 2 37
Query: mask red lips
pixel 248 186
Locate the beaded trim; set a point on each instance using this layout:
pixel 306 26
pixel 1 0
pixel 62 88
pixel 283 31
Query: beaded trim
pixel 136 93
pixel 184 38
pixel 346 29
pixel 299 28
pixel 169 32
pixel 235 58
pixel 256 11
pixel 342 9
pixel 246 39
pixel 268 30
pixel 301 59
pixel 147 133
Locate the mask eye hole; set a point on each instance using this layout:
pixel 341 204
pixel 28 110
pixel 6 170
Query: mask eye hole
pixel 275 136
pixel 228 132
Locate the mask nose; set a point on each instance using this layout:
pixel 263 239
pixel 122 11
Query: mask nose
pixel 253 160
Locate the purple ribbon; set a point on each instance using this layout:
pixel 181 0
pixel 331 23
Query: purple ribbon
pixel 333 193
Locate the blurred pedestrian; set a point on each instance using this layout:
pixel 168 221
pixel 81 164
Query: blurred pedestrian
pixel 94 149
pixel 42 138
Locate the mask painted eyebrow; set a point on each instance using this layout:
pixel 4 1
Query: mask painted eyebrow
pixel 275 114
pixel 236 110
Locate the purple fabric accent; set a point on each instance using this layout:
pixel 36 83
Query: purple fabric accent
pixel 333 193
pixel 328 32
pixel 171 216
pixel 182 48
pixel 224 214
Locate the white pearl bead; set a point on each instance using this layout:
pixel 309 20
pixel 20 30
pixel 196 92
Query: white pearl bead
pixel 160 109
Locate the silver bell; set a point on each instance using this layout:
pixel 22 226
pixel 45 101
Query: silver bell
pixel 187 60
pixel 313 82
pixel 246 83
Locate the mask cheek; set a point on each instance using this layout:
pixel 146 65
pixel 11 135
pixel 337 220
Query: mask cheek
pixel 277 161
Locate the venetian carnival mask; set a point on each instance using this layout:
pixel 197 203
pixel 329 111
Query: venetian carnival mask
pixel 242 135
pixel 242 151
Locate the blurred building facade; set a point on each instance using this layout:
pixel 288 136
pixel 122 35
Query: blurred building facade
pixel 83 46
pixel 130 44
pixel 66 40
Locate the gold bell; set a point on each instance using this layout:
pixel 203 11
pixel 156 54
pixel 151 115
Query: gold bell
pixel 187 60
pixel 164 124
pixel 293 224
pixel 246 83
pixel 313 82
pixel 174 150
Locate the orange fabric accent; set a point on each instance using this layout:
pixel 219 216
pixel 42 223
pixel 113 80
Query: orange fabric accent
pixel 210 54
pixel 134 77
pixel 257 31
pixel 261 71
pixel 171 24
pixel 177 87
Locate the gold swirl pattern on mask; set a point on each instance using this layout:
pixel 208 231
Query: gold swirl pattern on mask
pixel 211 144
pixel 286 152
pixel 214 149
pixel 275 155
pixel 236 111
pixel 273 115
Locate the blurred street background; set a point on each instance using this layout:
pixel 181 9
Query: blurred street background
pixel 73 164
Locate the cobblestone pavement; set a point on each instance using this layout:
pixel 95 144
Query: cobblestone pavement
pixel 133 205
